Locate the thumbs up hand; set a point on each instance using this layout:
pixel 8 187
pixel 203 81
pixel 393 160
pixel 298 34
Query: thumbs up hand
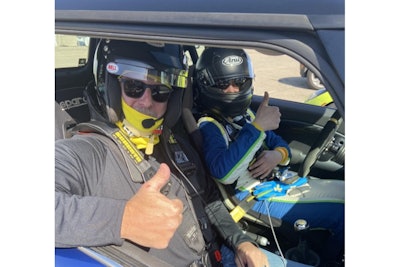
pixel 150 218
pixel 267 117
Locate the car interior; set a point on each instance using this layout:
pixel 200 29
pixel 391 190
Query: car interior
pixel 316 136
pixel 300 123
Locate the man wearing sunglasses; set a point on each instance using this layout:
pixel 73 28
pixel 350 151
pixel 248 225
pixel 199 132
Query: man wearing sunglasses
pixel 243 152
pixel 102 200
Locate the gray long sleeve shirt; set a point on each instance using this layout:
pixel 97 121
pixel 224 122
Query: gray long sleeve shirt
pixel 92 185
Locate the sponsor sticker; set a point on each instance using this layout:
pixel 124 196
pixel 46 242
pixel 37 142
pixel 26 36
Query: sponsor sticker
pixel 112 67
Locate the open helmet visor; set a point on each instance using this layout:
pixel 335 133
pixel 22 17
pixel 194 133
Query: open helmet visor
pixel 137 70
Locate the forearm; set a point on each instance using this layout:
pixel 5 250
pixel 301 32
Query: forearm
pixel 275 142
pixel 81 218
pixel 87 221
pixel 226 227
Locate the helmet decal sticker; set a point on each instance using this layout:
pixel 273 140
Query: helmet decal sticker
pixel 112 67
pixel 232 61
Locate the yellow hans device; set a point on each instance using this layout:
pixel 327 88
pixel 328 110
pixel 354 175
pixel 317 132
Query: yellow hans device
pixel 136 119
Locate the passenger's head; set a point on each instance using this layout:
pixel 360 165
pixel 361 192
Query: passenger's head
pixel 224 79
pixel 134 80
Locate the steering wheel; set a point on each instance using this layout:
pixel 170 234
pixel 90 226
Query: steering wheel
pixel 320 144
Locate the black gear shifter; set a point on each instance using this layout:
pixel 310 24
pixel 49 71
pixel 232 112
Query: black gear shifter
pixel 302 253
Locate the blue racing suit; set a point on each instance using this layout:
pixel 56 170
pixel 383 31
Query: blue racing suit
pixel 229 146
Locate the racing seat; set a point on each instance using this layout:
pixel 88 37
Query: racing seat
pixel 72 101
pixel 63 122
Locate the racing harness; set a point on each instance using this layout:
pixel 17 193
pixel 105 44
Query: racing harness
pixel 141 169
pixel 243 208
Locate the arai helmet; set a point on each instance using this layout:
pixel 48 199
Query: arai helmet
pixel 215 69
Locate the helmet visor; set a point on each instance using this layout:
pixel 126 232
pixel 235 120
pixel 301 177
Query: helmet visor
pixel 242 83
pixel 145 73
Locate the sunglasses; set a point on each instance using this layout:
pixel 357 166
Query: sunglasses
pixel 135 89
pixel 224 83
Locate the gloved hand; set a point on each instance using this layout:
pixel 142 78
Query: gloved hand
pixel 269 189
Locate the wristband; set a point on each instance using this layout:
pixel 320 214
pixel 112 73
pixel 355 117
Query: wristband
pixel 258 127
pixel 284 153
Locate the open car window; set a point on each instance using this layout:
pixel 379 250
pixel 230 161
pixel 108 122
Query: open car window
pixel 71 50
pixel 283 77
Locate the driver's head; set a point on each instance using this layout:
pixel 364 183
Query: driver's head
pixel 134 80
pixel 224 79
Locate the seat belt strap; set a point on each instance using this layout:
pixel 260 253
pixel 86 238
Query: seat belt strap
pixel 188 173
pixel 134 158
pixel 243 207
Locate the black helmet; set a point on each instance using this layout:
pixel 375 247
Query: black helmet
pixel 215 69
pixel 164 63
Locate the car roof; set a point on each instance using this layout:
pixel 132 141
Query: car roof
pixel 298 14
pixel 317 7
pixel 311 31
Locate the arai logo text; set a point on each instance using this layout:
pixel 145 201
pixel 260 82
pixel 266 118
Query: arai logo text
pixel 232 61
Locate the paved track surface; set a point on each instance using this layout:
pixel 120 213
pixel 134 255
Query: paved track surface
pixel 280 76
